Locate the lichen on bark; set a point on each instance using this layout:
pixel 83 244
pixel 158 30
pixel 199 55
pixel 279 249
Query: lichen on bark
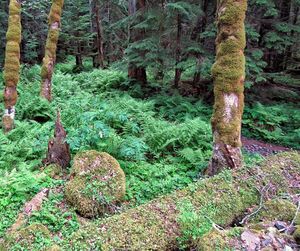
pixel 12 64
pixel 229 74
pixel 50 49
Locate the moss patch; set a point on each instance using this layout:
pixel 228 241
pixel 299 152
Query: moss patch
pixel 296 234
pixel 278 209
pixel 219 200
pixel 53 170
pixel 33 237
pixel 98 183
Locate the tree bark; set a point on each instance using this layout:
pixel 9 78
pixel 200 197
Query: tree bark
pixel 137 73
pixel 229 74
pixel 98 59
pixel 178 70
pixel 58 149
pixel 50 49
pixel 219 200
pixel 12 64
pixel 199 28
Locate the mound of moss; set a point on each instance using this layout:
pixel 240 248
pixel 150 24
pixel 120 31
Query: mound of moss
pixel 218 200
pixel 98 184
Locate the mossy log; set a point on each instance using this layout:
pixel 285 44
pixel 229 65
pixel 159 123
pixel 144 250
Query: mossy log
pixel 219 200
pixel 50 49
pixel 228 74
pixel 12 64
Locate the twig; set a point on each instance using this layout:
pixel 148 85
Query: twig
pixel 214 225
pixel 293 221
pixel 261 205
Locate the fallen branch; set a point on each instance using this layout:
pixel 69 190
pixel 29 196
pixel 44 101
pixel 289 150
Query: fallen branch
pixel 30 207
pixel 261 204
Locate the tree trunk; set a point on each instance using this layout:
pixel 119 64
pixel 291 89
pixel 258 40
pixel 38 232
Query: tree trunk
pixel 12 64
pixel 98 59
pixel 137 73
pixel 219 200
pixel 50 50
pixel 178 70
pixel 199 28
pixel 229 74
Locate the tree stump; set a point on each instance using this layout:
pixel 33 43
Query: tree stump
pixel 58 149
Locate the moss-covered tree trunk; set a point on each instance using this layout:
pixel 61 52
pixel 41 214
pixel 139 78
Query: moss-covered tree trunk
pixel 12 63
pixel 50 49
pixel 229 75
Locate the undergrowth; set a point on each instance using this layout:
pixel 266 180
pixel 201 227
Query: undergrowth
pixel 162 142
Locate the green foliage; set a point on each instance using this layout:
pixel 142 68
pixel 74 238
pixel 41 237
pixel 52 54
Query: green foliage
pixel 56 216
pixel 193 223
pixel 17 186
pixel 273 123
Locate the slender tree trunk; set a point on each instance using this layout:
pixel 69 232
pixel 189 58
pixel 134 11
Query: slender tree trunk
pixel 229 75
pixel 79 62
pixel 200 27
pixel 178 70
pixel 137 73
pixel 98 59
pixel 50 49
pixel 12 64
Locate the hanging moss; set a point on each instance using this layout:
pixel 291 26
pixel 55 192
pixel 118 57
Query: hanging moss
pixel 99 182
pixel 50 48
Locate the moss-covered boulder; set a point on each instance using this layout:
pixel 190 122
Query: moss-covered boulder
pixel 33 237
pixel 98 183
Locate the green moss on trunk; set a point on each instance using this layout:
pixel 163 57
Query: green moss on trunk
pixel 50 49
pixel 228 73
pixel 12 63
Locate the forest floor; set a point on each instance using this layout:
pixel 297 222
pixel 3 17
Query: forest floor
pixel 162 142
pixel 263 148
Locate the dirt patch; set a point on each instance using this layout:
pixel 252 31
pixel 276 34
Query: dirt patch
pixel 262 148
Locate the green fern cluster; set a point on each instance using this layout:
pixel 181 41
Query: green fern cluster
pixel 273 123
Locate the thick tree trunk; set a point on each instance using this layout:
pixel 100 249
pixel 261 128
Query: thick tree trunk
pixel 229 74
pixel 219 200
pixel 12 64
pixel 178 70
pixel 50 50
pixel 135 72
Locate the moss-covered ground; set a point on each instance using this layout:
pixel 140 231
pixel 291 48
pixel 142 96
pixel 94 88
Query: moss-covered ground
pixel 162 143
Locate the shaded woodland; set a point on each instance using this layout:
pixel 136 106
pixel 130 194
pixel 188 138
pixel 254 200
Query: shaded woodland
pixel 150 125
